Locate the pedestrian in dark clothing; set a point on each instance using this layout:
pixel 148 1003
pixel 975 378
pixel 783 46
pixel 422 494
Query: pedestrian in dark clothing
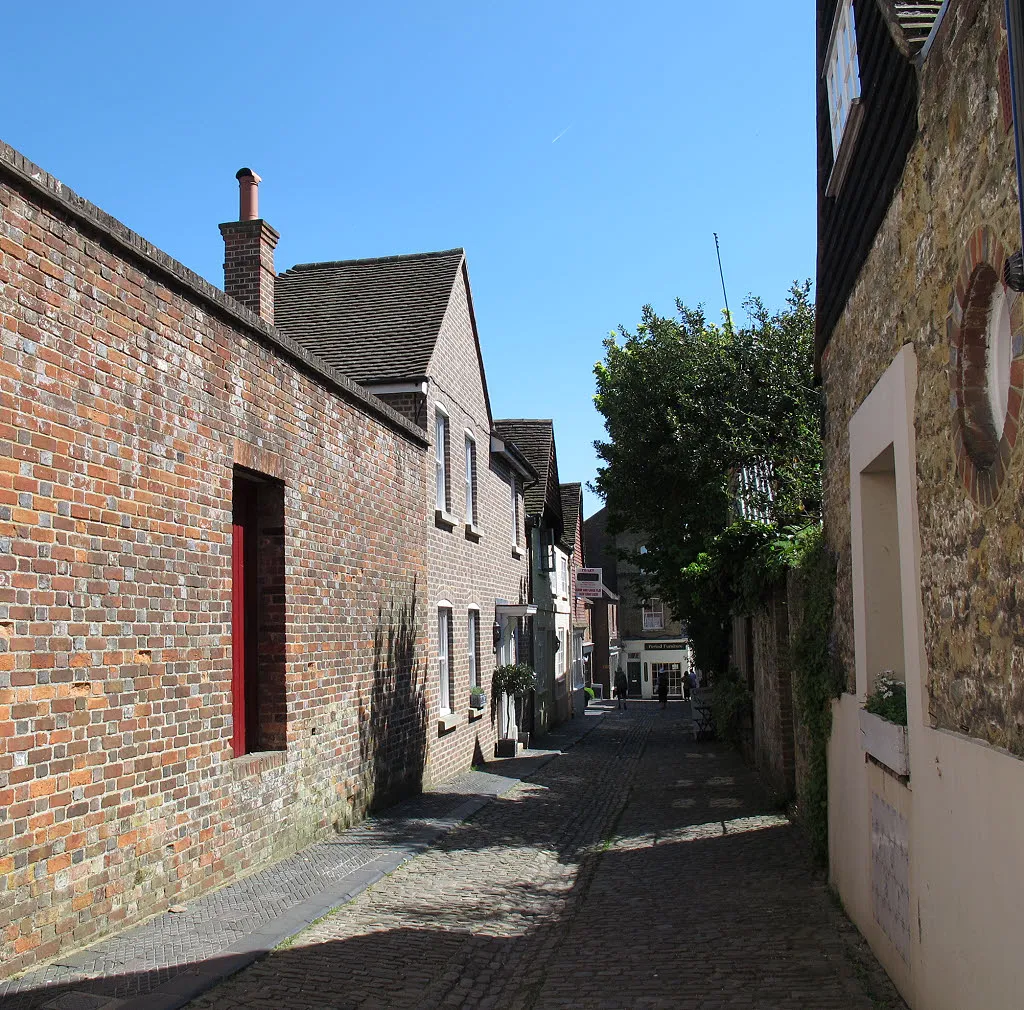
pixel 621 688
pixel 663 690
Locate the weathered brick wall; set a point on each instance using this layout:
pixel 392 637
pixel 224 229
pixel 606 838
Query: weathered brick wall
pixel 464 569
pixel 128 390
pixel 773 699
pixel 960 177
pixel 412 406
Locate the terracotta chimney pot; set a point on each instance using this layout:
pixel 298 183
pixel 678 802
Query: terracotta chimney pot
pixel 248 194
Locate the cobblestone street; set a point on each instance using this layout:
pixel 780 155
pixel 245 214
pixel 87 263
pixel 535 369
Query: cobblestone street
pixel 637 870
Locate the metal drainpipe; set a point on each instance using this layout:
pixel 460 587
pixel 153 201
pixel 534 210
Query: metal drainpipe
pixel 1013 274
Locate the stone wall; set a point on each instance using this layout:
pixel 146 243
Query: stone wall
pixel 773 697
pixel 800 738
pixel 960 178
pixel 129 391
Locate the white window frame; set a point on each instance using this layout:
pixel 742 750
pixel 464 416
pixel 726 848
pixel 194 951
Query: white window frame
pixel 654 617
pixel 444 666
pixel 563 575
pixel 471 510
pixel 473 646
pixel 842 72
pixel 441 459
pixel 561 663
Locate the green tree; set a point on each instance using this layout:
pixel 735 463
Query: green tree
pixel 690 407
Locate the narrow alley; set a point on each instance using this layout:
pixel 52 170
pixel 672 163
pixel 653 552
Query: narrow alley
pixel 638 869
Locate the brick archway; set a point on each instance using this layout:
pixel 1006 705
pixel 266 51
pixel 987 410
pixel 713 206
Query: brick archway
pixel 983 444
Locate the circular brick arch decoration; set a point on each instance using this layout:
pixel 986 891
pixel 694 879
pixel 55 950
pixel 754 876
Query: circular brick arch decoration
pixel 983 442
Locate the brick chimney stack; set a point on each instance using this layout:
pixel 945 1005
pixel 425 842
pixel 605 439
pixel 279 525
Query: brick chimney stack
pixel 249 251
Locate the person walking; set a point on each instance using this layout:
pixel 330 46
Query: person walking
pixel 621 688
pixel 663 690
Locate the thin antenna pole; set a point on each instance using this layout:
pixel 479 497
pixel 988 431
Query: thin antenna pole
pixel 718 252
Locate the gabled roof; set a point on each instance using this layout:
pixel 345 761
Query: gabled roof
pixel 535 439
pixel 572 508
pixel 375 320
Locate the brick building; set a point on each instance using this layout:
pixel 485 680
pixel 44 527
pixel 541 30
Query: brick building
pixel 404 328
pixel 921 352
pixel 582 644
pixel 604 609
pixel 550 629
pixel 652 642
pixel 222 571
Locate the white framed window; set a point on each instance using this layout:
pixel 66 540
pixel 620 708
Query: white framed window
pixel 654 615
pixel 441 459
pixel 514 509
pixel 563 575
pixel 470 481
pixel 444 670
pixel 561 660
pixel 473 646
pixel 842 72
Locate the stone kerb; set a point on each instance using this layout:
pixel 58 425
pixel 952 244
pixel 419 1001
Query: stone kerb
pixel 983 444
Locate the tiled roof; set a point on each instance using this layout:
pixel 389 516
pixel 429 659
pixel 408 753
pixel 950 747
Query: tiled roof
pixel 375 320
pixel 572 502
pixel 915 21
pixel 535 440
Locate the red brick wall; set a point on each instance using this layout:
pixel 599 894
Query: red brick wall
pixel 462 568
pixel 128 391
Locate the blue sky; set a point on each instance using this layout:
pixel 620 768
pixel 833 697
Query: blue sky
pixel 582 153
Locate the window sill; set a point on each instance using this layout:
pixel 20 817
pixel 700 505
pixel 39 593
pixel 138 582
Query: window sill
pixel 841 163
pixel 473 533
pixel 445 519
pixel 475 714
pixel 257 762
pixel 517 552
pixel 446 723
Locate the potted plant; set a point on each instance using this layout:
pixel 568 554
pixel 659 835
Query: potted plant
pixel 883 723
pixel 514 681
pixel 477 697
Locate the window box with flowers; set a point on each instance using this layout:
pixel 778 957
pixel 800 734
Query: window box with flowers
pixel 883 724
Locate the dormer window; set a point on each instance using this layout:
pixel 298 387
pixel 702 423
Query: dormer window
pixel 842 73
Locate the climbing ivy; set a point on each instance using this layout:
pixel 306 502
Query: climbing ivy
pixel 816 680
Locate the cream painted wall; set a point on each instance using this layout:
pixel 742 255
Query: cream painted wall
pixel 964 802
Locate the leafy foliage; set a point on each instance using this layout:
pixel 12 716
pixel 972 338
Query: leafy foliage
pixel 816 679
pixel 731 706
pixel 513 679
pixel 888 699
pixel 688 406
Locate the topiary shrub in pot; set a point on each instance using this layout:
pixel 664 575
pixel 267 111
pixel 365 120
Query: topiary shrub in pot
pixel 514 681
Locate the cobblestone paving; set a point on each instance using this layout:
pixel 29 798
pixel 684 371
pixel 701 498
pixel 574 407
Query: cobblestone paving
pixel 147 957
pixel 638 870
